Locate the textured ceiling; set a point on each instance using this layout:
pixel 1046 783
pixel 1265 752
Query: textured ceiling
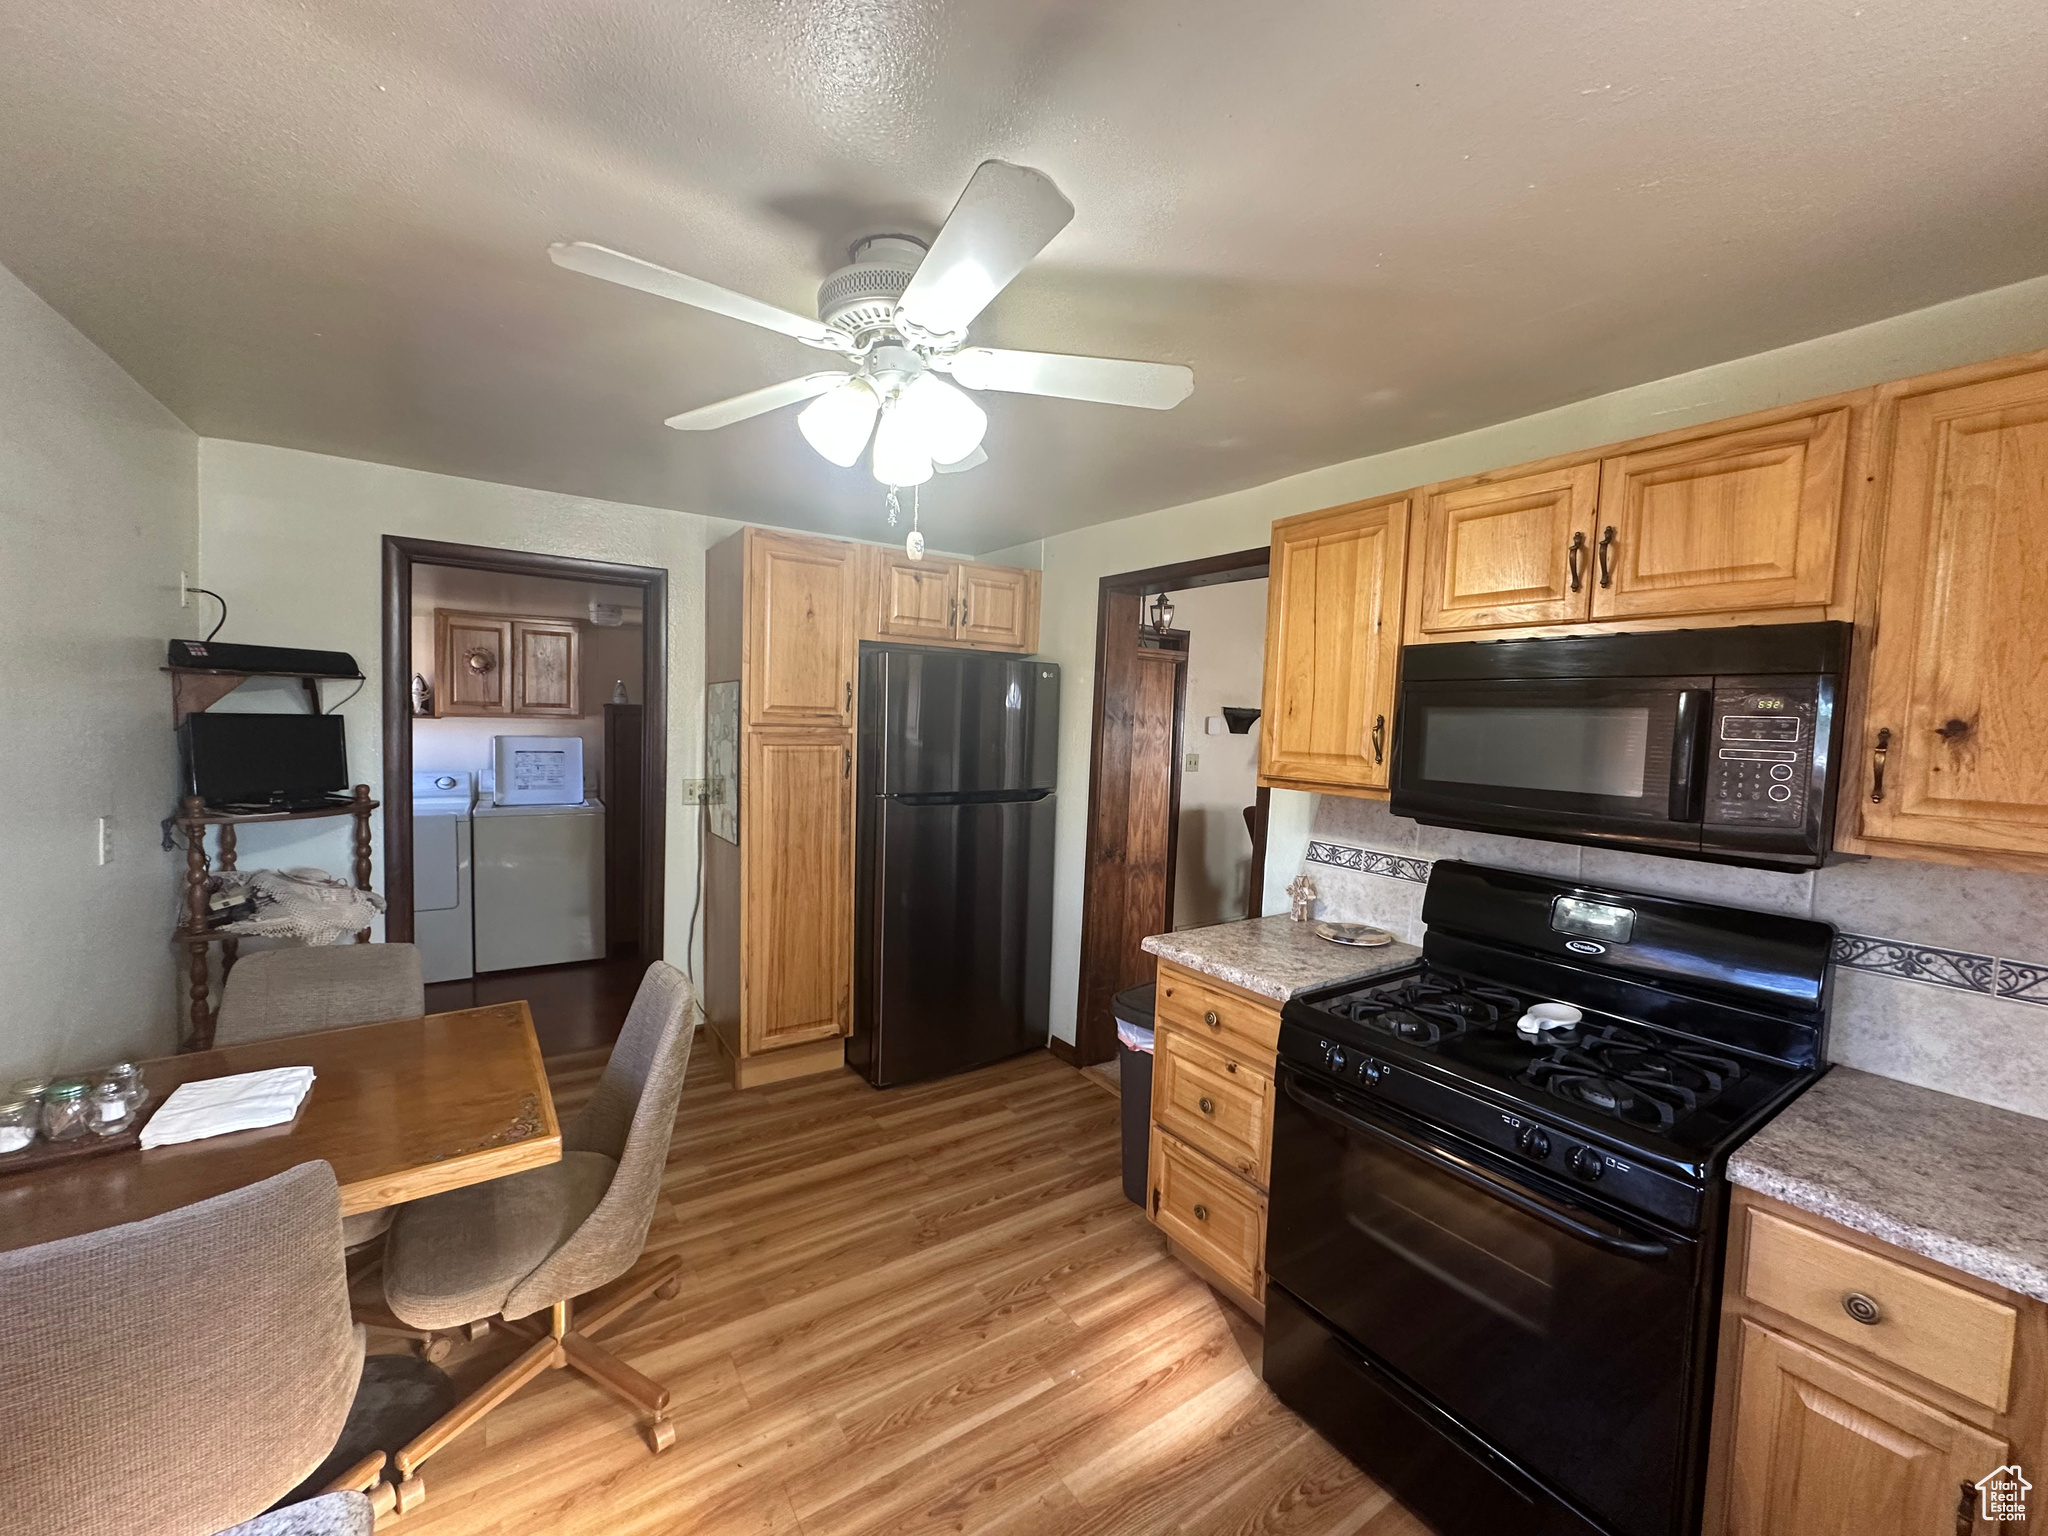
pixel 324 225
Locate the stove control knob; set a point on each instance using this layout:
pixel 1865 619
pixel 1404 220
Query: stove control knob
pixel 1372 1071
pixel 1535 1141
pixel 1337 1059
pixel 1585 1162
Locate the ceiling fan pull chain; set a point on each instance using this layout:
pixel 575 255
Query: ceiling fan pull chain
pixel 892 506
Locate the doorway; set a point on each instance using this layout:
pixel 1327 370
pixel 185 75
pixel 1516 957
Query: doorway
pixel 1139 762
pixel 552 670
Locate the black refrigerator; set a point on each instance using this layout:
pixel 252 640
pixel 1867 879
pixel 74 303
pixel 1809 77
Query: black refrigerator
pixel 953 915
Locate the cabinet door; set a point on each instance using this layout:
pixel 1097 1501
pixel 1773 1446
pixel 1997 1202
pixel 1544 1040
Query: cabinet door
pixel 1332 646
pixel 1958 704
pixel 796 840
pixel 546 658
pixel 1823 1450
pixel 998 607
pixel 1742 520
pixel 475 658
pixel 800 630
pixel 919 599
pixel 1218 1217
pixel 1510 552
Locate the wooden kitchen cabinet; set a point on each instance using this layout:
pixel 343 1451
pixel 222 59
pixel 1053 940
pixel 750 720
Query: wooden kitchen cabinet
pixel 998 607
pixel 916 600
pixel 1862 1390
pixel 935 601
pixel 796 921
pixel 547 660
pixel 1954 750
pixel 1508 549
pixel 1333 645
pixel 472 664
pixel 1726 523
pixel 800 603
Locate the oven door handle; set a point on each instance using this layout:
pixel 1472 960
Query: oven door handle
pixel 1507 1194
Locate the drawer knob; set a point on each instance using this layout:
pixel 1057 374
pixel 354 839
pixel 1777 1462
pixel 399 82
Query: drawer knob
pixel 1208 1106
pixel 1862 1308
pixel 1201 1213
pixel 1210 1018
pixel 1230 1067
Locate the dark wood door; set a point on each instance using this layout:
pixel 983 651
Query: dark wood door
pixel 624 771
pixel 1134 804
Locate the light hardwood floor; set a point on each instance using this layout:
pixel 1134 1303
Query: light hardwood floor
pixel 927 1309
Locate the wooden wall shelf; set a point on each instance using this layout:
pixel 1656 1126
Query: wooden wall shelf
pixel 194 689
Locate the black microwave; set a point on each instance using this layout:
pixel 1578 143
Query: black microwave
pixel 1718 744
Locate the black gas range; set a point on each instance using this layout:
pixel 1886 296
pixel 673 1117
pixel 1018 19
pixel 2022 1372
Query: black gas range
pixel 1497 1207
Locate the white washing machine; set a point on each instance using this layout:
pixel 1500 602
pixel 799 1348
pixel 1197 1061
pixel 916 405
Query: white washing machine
pixel 442 800
pixel 539 869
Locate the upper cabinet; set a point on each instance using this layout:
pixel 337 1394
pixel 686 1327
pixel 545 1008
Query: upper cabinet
pixel 952 602
pixel 486 664
pixel 1333 646
pixel 1955 725
pixel 1738 521
pixel 1510 550
pixel 800 610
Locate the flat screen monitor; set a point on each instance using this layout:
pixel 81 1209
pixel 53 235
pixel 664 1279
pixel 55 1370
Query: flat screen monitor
pixel 264 760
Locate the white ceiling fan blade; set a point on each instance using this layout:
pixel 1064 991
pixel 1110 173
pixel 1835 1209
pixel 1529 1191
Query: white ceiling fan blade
pixel 1006 216
pixel 1105 380
pixel 973 461
pixel 724 413
pixel 617 267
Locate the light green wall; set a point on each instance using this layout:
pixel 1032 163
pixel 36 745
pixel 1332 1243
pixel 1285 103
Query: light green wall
pixel 1985 325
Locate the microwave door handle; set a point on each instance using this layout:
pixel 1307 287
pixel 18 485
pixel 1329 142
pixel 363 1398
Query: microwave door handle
pixel 1507 1194
pixel 1688 732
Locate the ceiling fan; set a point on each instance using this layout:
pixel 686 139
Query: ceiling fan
pixel 898 313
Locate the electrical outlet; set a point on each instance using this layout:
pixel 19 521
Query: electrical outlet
pixel 1194 762
pixel 105 843
pixel 700 792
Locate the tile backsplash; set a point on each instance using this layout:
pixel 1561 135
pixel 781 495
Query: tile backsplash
pixel 1941 974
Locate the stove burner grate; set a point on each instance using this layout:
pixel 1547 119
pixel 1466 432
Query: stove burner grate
pixel 1631 1076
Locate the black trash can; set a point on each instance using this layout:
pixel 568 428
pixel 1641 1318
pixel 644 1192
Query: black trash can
pixel 1133 1010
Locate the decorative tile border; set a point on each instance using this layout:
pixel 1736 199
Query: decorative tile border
pixel 1369 861
pixel 2023 981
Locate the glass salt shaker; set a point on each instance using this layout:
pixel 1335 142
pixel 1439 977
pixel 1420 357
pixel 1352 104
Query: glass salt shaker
pixel 18 1118
pixel 111 1110
pixel 128 1077
pixel 65 1115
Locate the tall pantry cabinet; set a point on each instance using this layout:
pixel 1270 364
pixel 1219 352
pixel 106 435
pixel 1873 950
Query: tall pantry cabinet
pixel 780 621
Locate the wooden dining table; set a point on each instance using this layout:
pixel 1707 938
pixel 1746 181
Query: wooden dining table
pixel 401 1110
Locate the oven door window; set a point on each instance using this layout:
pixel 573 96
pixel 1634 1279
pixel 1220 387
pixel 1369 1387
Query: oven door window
pixel 1565 747
pixel 1571 1355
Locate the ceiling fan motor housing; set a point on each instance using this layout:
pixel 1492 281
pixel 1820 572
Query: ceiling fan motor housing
pixel 861 296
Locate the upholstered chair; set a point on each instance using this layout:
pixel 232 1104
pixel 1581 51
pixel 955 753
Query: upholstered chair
pixel 175 1376
pixel 325 986
pixel 535 1242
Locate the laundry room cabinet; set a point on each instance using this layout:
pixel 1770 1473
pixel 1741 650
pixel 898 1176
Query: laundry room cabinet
pixel 505 664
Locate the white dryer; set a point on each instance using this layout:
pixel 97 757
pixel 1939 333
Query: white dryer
pixel 442 800
pixel 539 866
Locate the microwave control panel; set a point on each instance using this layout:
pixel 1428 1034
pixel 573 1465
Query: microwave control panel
pixel 1760 762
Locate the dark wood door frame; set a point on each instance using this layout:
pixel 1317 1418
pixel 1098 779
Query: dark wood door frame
pixel 1102 883
pixel 400 556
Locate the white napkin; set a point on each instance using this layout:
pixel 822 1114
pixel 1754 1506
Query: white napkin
pixel 218 1105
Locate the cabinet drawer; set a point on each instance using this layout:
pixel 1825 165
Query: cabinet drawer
pixel 1218 1013
pixel 1216 1216
pixel 1216 1099
pixel 1940 1332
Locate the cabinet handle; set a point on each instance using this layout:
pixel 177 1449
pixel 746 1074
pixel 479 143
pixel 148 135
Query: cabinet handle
pixel 1877 757
pixel 1966 1509
pixel 849 694
pixel 846 771
pixel 1862 1309
pixel 1379 738
pixel 1208 1106
pixel 1210 1019
pixel 1607 556
pixel 1572 551
pixel 1201 1213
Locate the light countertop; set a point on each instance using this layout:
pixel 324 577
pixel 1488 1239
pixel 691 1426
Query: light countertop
pixel 1275 957
pixel 1956 1181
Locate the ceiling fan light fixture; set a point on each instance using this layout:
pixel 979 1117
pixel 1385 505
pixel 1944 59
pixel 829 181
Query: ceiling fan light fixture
pixel 947 423
pixel 837 424
pixel 901 457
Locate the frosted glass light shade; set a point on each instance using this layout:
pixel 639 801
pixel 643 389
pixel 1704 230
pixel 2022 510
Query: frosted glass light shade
pixel 948 424
pixel 901 457
pixel 837 423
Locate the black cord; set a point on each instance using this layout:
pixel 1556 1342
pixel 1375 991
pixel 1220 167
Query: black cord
pixel 331 708
pixel 204 592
